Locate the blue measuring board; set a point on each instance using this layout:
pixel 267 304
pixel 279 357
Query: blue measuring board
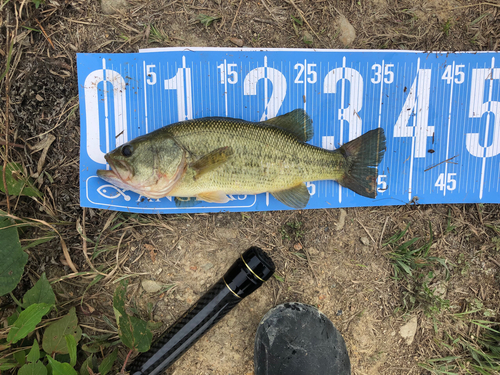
pixel 440 113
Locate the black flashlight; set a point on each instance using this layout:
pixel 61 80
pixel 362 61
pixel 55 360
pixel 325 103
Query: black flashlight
pixel 246 275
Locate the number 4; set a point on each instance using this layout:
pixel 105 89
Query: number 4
pixel 448 74
pixel 451 183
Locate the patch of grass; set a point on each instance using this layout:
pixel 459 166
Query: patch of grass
pixel 296 22
pixel 207 20
pixel 477 355
pixel 413 267
pixel 407 258
pixel 447 27
pixel 292 231
pixel 38 3
pixel 157 35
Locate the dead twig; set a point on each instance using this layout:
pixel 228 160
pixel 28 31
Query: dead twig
pixel 304 18
pixel 108 276
pixel 45 34
pixel 7 112
pixel 235 16
pixel 476 5
pixel 444 161
pixel 84 244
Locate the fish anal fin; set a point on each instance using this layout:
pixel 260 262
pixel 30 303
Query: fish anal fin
pixel 295 197
pixel 211 161
pixel 213 197
pixel 296 122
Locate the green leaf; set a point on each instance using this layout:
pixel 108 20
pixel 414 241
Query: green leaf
pixel 53 337
pixel 95 346
pixel 35 368
pixel 108 362
pixel 40 293
pixel 13 258
pixel 119 300
pixel 38 3
pixel 27 321
pixel 153 326
pixel 59 368
pixel 38 241
pixel 7 364
pixel 88 363
pixel 207 20
pixel 20 357
pixel 17 182
pixel 12 319
pixel 71 344
pixel 34 354
pixel 134 332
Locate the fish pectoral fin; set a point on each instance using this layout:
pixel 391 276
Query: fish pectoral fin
pixel 185 202
pixel 296 197
pixel 211 161
pixel 296 122
pixel 213 197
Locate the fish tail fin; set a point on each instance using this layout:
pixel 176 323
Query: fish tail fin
pixel 363 156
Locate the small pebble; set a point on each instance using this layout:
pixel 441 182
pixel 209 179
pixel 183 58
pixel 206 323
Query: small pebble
pixel 347 32
pixel 237 41
pixel 151 286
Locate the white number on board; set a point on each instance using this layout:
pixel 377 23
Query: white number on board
pixel 278 82
pixel 113 82
pixel 351 113
pixel 416 107
pixel 387 73
pixel 458 74
pixel 151 80
pixel 479 107
pixel 184 96
pixel 311 187
pixel 311 74
pixel 449 184
pixel 382 183
pixel 231 74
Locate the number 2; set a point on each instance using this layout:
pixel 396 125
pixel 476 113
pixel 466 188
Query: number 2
pixel 312 76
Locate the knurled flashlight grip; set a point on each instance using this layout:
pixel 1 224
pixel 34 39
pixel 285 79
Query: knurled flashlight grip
pixel 246 275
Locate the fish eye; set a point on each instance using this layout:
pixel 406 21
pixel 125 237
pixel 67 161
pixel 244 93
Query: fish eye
pixel 127 151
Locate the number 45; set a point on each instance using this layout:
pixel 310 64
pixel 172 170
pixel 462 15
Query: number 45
pixel 450 184
pixel 459 75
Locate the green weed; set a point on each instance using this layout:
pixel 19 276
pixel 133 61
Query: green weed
pixel 207 20
pixel 157 35
pixel 413 267
pixel 292 231
pixel 447 27
pixel 478 355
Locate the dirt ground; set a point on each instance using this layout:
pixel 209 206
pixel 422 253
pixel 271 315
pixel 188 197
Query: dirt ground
pixel 333 259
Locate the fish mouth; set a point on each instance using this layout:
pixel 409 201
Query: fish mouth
pixel 119 171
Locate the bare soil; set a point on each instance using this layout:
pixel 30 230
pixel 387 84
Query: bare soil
pixel 333 259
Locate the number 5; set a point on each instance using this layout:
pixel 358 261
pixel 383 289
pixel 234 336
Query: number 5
pixel 151 80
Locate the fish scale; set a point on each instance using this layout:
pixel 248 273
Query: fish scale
pixel 266 158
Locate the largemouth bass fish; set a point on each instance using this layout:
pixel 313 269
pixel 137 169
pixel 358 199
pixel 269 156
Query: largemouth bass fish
pixel 212 157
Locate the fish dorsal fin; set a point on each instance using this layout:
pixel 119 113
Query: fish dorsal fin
pixel 296 122
pixel 296 197
pixel 211 160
